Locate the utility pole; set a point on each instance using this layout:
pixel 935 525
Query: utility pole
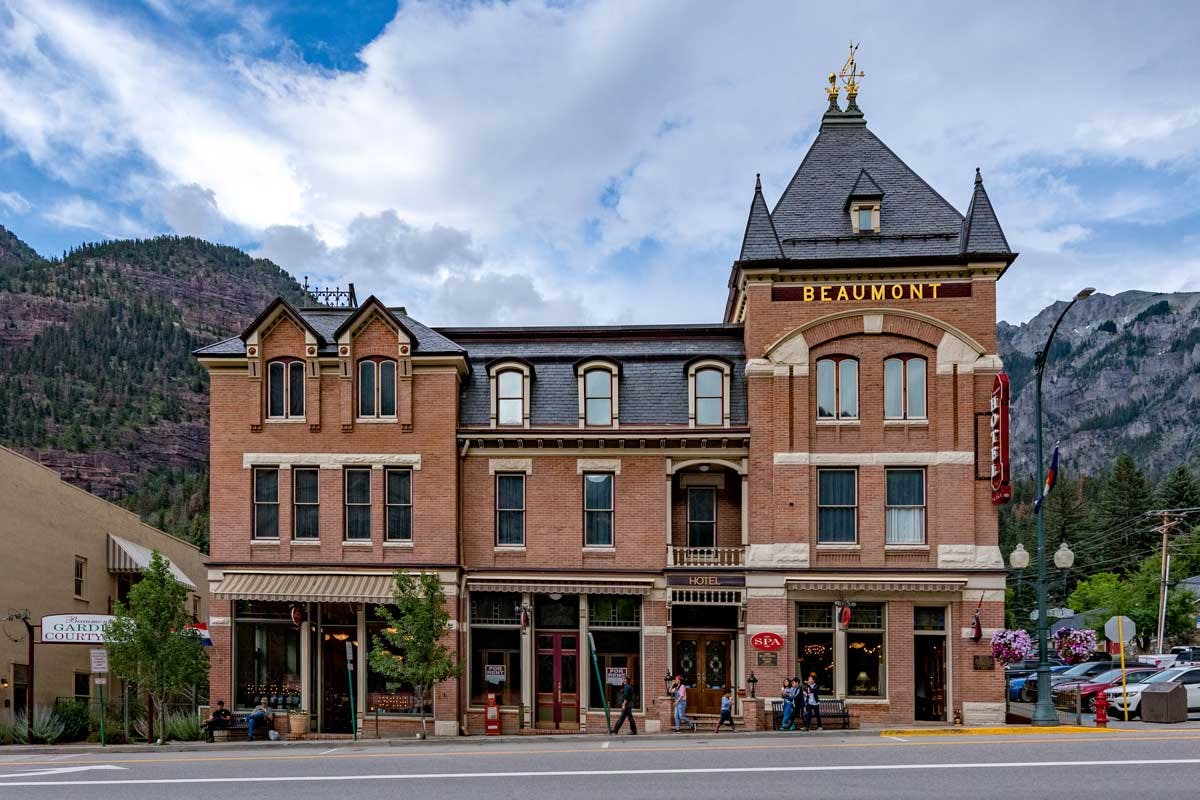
pixel 1164 576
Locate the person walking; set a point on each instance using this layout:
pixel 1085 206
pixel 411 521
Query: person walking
pixel 726 712
pixel 626 709
pixel 812 703
pixel 681 717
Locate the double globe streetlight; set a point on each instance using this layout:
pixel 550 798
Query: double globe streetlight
pixel 1043 711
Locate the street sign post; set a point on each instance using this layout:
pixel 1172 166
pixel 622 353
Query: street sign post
pixel 99 658
pixel 350 676
pixel 1121 629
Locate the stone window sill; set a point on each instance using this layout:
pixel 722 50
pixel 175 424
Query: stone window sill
pixel 509 548
pixel 375 420
pixel 835 423
pixel 264 542
pixel 285 420
pixel 907 548
pixel 403 545
pixel 904 423
pixel 839 548
pixel 364 543
pixel 306 542
pixel 598 550
pixel 867 701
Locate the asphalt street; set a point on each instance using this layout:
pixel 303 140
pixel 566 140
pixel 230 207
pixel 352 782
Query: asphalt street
pixel 693 767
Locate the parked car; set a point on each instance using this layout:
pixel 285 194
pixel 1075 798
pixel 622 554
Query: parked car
pixel 1186 654
pixel 1081 671
pixel 1132 696
pixel 1016 684
pixel 1105 681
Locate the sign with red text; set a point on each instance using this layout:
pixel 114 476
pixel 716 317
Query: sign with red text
pixel 998 426
pixel 766 641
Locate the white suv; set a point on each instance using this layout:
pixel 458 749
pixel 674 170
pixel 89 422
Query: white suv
pixel 1188 676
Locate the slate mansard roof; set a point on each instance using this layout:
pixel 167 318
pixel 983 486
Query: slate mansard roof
pixel 652 386
pixel 846 162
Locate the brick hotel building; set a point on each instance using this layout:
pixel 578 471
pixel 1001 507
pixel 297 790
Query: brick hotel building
pixel 803 487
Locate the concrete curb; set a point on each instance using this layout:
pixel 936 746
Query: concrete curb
pixel 1007 730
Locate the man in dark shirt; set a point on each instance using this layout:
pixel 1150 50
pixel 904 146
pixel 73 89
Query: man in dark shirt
pixel 219 719
pixel 626 708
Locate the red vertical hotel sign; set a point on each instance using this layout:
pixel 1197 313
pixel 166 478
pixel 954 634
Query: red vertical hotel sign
pixel 1001 484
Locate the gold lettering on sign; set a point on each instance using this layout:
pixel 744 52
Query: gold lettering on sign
pixel 860 291
pixel 877 292
pixel 934 288
pixel 702 580
pixel 808 294
pixel 897 292
pixel 824 294
pixel 842 294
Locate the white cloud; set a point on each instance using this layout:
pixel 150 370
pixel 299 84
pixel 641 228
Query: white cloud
pixel 15 202
pixel 472 151
pixel 88 215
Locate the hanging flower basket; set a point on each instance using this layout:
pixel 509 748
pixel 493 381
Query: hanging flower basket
pixel 1011 647
pixel 1074 644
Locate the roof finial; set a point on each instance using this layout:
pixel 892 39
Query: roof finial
pixel 758 182
pixel 850 75
pixel 978 177
pixel 833 90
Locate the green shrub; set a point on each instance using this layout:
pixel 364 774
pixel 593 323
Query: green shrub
pixel 184 726
pixel 76 719
pixel 47 727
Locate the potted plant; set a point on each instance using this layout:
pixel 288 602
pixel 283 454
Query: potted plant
pixel 1011 647
pixel 297 723
pixel 1074 644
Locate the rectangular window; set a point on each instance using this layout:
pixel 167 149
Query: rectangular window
pixel 83 689
pixel 837 388
pixel 826 389
pixel 904 388
pixel 702 516
pixel 866 223
pixel 597 386
pixel 266 503
pixel 366 389
pixel 358 505
pixel 618 654
pixel 399 505
pixel 915 387
pixel 864 655
pixel 598 510
pixel 275 389
pixel 905 512
pixel 510 398
pixel 296 389
pixel 814 644
pixel 81 577
pixel 496 665
pixel 266 662
pixel 510 510
pixel 929 619
pixel 305 504
pixel 387 388
pixel 710 397
pixel 388 695
pixel 837 506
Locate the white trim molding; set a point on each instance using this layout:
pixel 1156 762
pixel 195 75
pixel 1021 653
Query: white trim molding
pixel 927 458
pixel 612 465
pixel 331 460
pixel 969 556
pixel 722 367
pixel 493 378
pixel 524 465
pixel 794 555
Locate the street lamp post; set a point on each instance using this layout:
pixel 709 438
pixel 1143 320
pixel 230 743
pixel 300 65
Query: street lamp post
pixel 1043 712
pixel 1064 559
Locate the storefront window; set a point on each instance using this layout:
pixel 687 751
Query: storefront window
pixel 386 695
pixel 618 654
pixel 495 648
pixel 266 657
pixel 865 652
pixel 814 644
pixel 558 614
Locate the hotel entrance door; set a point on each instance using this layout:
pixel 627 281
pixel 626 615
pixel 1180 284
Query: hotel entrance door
pixel 703 659
pixel 557 681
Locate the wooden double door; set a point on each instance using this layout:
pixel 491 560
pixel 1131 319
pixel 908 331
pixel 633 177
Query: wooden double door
pixel 705 660
pixel 557 681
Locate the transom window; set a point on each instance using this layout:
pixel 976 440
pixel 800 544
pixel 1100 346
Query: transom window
pixel 710 396
pixel 837 388
pixel 266 503
pixel 702 516
pixel 598 393
pixel 905 512
pixel 510 510
pixel 285 390
pixel 837 506
pixel 904 387
pixel 399 505
pixel 358 505
pixel 306 507
pixel 510 397
pixel 377 388
pixel 598 509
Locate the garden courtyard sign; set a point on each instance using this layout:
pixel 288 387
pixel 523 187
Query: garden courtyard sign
pixel 75 628
pixel 875 292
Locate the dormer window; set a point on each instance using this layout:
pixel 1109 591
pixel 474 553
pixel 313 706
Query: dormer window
pixel 708 388
pixel 510 393
pixel 864 217
pixel 598 394
pixel 377 389
pixel 285 390
pixel 865 220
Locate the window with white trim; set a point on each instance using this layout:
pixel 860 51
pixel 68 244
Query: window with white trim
pixel 837 388
pixel 598 396
pixel 399 505
pixel 306 509
pixel 710 396
pixel 377 388
pixel 80 577
pixel 510 397
pixel 266 503
pixel 904 387
pixel 510 510
pixel 358 504
pixel 904 516
pixel 837 506
pixel 598 509
pixel 285 389
pixel 702 516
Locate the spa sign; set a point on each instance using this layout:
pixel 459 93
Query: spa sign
pixel 75 628
pixel 870 292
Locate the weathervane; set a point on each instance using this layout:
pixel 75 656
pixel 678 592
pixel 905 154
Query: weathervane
pixel 849 75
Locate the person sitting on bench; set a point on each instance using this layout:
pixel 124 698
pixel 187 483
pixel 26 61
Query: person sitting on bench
pixel 260 714
pixel 219 719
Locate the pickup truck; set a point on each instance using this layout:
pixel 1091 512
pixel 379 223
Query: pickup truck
pixel 1160 660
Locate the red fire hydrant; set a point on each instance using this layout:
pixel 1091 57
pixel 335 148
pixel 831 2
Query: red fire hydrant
pixel 1101 706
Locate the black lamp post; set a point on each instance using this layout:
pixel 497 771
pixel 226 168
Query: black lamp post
pixel 1043 712
pixel 752 681
pixel 667 682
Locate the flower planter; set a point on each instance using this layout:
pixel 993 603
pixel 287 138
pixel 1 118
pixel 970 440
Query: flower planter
pixel 297 724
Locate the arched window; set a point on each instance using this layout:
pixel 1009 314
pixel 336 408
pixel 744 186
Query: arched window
pixel 837 388
pixel 377 388
pixel 904 388
pixel 285 389
pixel 708 383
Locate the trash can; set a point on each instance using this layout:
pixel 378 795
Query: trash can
pixel 1164 702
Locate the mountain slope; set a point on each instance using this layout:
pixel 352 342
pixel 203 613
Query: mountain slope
pixel 1123 376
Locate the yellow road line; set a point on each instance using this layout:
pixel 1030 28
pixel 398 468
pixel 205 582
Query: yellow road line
pixel 1127 736
pixel 1008 730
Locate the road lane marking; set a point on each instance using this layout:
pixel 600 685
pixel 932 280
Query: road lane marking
pixel 634 749
pixel 889 736
pixel 52 771
pixel 60 758
pixel 605 745
pixel 327 752
pixel 622 773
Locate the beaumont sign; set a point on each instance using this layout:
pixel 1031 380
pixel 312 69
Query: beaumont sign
pixel 75 628
pixel 846 292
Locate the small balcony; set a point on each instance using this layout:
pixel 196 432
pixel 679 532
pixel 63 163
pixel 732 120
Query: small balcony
pixel 706 556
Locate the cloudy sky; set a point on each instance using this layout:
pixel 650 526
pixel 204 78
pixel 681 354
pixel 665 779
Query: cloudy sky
pixel 548 162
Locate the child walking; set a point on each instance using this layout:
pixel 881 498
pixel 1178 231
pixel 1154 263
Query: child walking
pixel 726 712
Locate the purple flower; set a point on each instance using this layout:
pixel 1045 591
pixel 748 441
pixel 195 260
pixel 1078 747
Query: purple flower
pixel 1010 647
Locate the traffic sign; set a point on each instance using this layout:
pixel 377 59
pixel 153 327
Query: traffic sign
pixel 101 681
pixel 1126 626
pixel 99 660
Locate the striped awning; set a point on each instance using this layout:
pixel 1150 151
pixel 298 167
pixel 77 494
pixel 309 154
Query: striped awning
pixel 879 586
pixel 559 587
pixel 125 556
pixel 314 586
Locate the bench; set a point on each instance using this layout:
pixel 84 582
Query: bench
pixel 240 722
pixel 830 709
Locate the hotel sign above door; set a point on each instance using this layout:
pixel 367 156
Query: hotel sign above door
pixel 706 580
pixel 870 292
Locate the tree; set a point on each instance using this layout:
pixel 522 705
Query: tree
pixel 1124 501
pixel 148 643
pixel 410 649
pixel 1179 489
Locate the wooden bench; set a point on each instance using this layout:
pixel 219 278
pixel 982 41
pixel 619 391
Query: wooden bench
pixel 830 709
pixel 240 723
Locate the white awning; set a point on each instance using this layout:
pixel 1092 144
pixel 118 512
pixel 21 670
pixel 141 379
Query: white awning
pixel 125 556
pixel 308 586
pixel 559 586
pixel 876 585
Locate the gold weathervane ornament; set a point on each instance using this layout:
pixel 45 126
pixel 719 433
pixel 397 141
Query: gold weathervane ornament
pixel 850 74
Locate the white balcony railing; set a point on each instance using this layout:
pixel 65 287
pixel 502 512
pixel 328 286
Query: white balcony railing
pixel 706 556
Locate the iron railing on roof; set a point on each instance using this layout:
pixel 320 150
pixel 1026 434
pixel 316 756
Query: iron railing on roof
pixel 332 296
